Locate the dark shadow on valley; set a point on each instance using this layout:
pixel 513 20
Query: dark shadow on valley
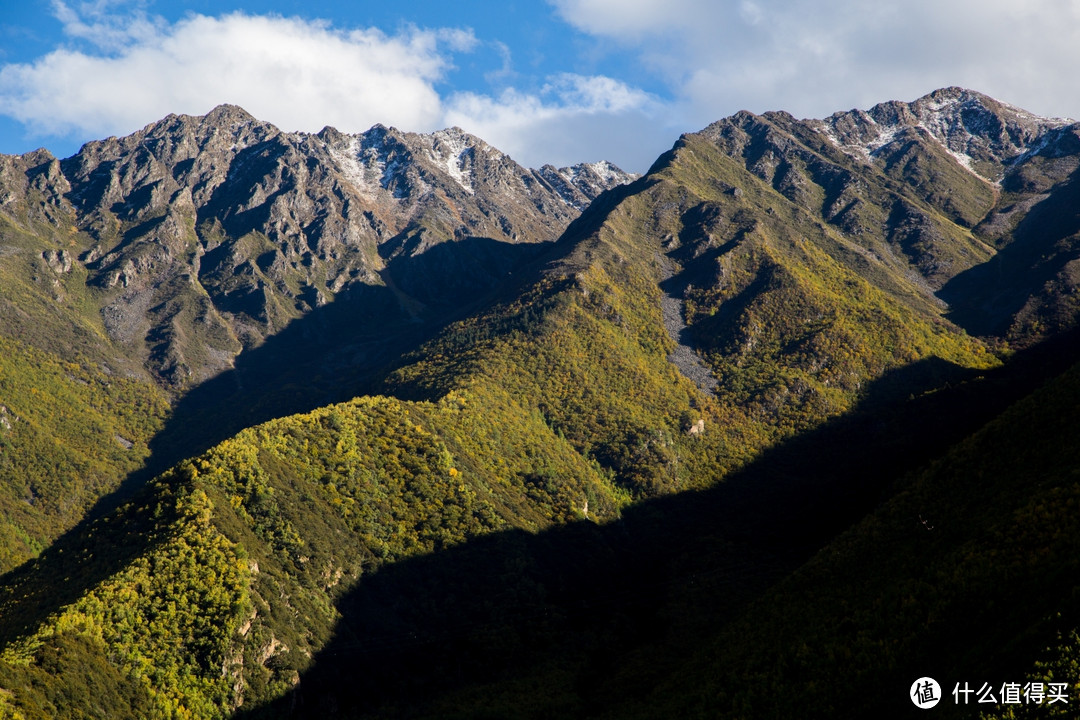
pixel 331 354
pixel 605 613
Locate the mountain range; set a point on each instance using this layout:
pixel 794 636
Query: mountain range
pixel 387 425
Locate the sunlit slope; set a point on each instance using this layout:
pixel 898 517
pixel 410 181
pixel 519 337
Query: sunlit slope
pixel 217 584
pixel 790 317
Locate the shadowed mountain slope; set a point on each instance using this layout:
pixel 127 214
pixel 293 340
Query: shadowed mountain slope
pixel 714 371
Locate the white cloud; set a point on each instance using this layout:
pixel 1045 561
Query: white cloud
pixel 813 58
pixel 298 74
pixel 573 118
pixel 125 69
pixel 506 69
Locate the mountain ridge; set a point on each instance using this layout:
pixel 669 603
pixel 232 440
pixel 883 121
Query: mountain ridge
pixel 975 128
pixel 763 308
pixel 327 210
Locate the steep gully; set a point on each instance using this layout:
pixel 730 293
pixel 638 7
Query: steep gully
pixel 684 357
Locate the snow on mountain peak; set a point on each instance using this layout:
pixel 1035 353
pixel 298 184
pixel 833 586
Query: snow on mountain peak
pixel 968 125
pixel 454 150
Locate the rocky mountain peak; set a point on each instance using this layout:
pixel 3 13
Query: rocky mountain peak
pixel 227 221
pixel 951 147
pixel 36 158
pixel 455 150
pixel 978 131
pixel 226 113
pixel 580 184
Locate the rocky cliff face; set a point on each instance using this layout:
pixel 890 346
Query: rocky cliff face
pixel 201 236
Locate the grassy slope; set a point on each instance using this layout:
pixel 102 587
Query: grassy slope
pixel 793 315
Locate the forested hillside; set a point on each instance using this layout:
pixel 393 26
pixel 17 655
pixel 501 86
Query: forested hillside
pixel 376 446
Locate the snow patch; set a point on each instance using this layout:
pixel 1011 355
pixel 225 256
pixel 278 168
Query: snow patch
pixel 885 137
pixel 371 161
pixel 580 184
pixel 454 151
pixel 936 106
pixel 826 130
pixel 349 163
pixel 964 159
pixel 859 151
pixel 1054 122
pixel 603 171
pixel 607 172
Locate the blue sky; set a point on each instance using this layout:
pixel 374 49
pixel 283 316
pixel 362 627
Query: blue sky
pixel 560 81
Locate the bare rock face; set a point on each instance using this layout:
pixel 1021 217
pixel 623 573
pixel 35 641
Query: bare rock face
pixel 209 234
pixel 33 188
